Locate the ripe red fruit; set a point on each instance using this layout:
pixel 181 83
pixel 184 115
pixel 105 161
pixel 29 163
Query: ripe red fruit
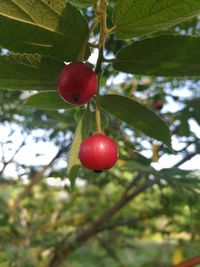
pixel 98 152
pixel 158 105
pixel 77 83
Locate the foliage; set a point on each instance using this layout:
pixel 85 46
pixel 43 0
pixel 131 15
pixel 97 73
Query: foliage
pixel 53 212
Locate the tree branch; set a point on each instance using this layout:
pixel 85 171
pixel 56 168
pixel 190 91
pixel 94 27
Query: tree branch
pixel 126 222
pixel 189 263
pixel 185 159
pixel 119 223
pixel 5 164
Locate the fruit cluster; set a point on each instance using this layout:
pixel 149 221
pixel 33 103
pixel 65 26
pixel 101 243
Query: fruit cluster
pixel 77 84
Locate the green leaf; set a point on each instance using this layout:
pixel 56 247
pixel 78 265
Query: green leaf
pixel 140 17
pixel 138 116
pixel 176 56
pixel 183 128
pixel 82 131
pixel 81 3
pixel 29 72
pixel 47 27
pixel 47 100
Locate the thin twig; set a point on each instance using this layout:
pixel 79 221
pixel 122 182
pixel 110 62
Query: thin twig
pixel 12 157
pixel 185 159
pixel 3 154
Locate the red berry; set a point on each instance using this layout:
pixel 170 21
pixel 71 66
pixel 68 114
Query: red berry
pixel 77 83
pixel 158 105
pixel 98 152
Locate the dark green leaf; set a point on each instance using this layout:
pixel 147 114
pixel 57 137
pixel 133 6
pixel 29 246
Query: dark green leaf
pixel 176 56
pixel 184 128
pixel 29 72
pixel 137 18
pixel 137 116
pixel 47 27
pixel 47 100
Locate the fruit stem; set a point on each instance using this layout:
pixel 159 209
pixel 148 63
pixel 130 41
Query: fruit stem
pixel 99 73
pixel 101 11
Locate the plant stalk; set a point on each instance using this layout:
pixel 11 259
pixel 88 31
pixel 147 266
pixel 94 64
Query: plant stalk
pixel 101 11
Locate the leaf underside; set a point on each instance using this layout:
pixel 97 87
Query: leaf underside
pixel 41 26
pixel 29 72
